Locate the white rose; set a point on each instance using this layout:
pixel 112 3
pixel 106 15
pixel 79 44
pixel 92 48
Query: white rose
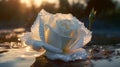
pixel 61 35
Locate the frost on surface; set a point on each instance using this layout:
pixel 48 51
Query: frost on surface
pixel 61 35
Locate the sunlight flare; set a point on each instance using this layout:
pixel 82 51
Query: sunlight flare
pixel 38 3
pixel 26 2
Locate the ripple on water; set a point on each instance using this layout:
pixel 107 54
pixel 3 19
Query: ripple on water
pixel 25 57
pixel 18 58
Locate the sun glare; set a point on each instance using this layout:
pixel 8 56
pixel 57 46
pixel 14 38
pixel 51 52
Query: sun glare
pixel 29 3
pixel 51 1
pixel 38 3
pixel 26 2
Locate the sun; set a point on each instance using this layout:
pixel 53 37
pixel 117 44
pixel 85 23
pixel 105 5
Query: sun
pixel 38 3
pixel 29 3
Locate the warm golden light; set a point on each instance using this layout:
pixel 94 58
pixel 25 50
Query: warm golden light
pixel 46 35
pixel 51 1
pixel 26 2
pixel 38 3
pixel 28 49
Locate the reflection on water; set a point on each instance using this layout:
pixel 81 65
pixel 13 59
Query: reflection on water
pixel 16 54
pixel 13 52
pixel 26 57
pixel 22 57
pixel 43 62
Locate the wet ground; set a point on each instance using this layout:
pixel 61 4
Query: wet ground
pixel 112 62
pixel 26 57
pixel 103 51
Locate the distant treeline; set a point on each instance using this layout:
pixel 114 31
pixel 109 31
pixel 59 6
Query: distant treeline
pixel 13 10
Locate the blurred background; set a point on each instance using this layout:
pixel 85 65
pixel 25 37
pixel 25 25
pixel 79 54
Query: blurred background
pixel 15 14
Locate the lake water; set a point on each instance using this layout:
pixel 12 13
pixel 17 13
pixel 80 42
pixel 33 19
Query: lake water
pixel 23 57
pixel 26 57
